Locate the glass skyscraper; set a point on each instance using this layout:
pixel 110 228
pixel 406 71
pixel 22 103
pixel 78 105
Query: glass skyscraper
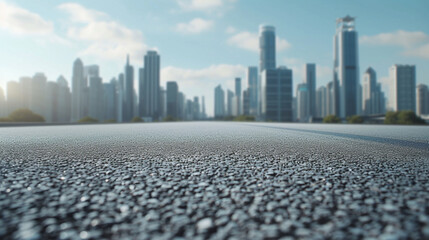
pixel 267 48
pixel 346 68
pixel 149 87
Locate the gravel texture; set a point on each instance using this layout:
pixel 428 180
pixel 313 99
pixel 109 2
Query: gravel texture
pixel 214 180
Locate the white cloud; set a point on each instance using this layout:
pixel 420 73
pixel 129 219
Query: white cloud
pixel 196 25
pixel 80 14
pixel 104 38
pixel 23 22
pixel 201 82
pixel 230 30
pixel 422 51
pixel 399 38
pixel 200 5
pixel 250 41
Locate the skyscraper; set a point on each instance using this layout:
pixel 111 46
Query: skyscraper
pixel 203 108
pixel 109 101
pixel 303 102
pixel 128 92
pixel 372 96
pixel 229 102
pixel 120 99
pixel 267 48
pixel 51 102
pixel 238 99
pixel 78 91
pixel 181 105
pixel 246 103
pixel 96 97
pixel 196 108
pixel 321 99
pixel 3 110
pixel 403 87
pixel 64 100
pixel 219 102
pixel 276 100
pixel 422 100
pixel 253 90
pixel 331 96
pixel 346 68
pixel 38 94
pixel 310 80
pixel 150 87
pixel 172 99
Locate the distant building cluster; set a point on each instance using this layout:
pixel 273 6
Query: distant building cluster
pixel 269 95
pixel 90 97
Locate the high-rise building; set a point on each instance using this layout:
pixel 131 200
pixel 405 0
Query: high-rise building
pixel 267 48
pixel 3 106
pixel 253 90
pixel 321 100
pixel 150 86
pixel 181 105
pixel 219 102
pixel 27 92
pixel 109 101
pixel 51 102
pixel 96 97
pixel 203 108
pixel 162 103
pixel 276 99
pixel 120 86
pixel 238 95
pixel 78 91
pixel 38 94
pixel 346 68
pixel 128 92
pixel 229 102
pixel 172 99
pixel 189 109
pixel 246 102
pixel 372 96
pixel 403 87
pixel 196 108
pixel 331 97
pixel 64 100
pixel 14 96
pixel 310 80
pixel 422 100
pixel 303 102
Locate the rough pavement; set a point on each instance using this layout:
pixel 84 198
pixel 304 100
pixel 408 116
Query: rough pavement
pixel 214 180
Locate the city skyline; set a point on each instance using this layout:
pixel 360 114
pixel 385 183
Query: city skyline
pixel 383 42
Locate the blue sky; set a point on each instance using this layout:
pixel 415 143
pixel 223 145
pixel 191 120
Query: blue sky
pixel 204 43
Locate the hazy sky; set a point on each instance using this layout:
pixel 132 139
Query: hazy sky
pixel 204 43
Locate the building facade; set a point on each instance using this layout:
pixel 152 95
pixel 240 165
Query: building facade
pixel 172 99
pixel 219 102
pixel 403 87
pixel 422 100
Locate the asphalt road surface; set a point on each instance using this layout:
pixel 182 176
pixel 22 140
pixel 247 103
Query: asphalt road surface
pixel 214 180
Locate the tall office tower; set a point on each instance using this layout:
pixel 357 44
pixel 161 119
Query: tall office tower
pixel 310 80
pixel 189 108
pixel 331 96
pixel 78 91
pixel 162 103
pixel 246 102
pixel 64 100
pixel 150 86
pixel 51 102
pixel 346 68
pixel 14 96
pixel 219 102
pixel 121 98
pixel 276 89
pixel 196 109
pixel 109 92
pixel 26 83
pixel 141 90
pixel 253 90
pixel 89 71
pixel 3 106
pixel 136 104
pixel 403 87
pixel 181 105
pixel 422 100
pixel 172 99
pixel 303 102
pixel 321 102
pixel 372 96
pixel 267 48
pixel 128 91
pixel 203 108
pixel 38 94
pixel 229 102
pixel 238 95
pixel 96 97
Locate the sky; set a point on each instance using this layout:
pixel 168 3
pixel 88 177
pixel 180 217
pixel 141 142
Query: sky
pixel 204 43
